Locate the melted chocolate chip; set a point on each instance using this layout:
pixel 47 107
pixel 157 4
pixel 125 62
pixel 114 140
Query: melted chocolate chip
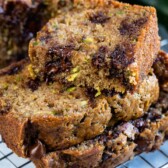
pixel 9 8
pixel 91 93
pixel 140 124
pixel 158 142
pixel 105 156
pixel 109 93
pixel 143 144
pixel 60 61
pixel 33 84
pixel 52 67
pixel 37 151
pixel 30 136
pixel 127 85
pixel 66 157
pixel 132 28
pixel 99 18
pixel 98 59
pixel 115 73
pixel 63 52
pixel 62 3
pixel 83 119
pixel 121 57
pixel 154 114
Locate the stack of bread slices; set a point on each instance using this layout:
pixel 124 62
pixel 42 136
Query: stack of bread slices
pixel 94 90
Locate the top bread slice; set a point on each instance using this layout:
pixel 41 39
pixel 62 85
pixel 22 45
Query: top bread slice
pixel 61 116
pixel 110 46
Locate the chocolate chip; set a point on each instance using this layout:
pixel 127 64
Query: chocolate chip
pixel 62 3
pixel 98 59
pixel 132 28
pixel 99 18
pixel 60 61
pixel 30 136
pixel 121 57
pixel 158 141
pixel 37 151
pixel 52 67
pixel 140 124
pixel 115 73
pixel 65 157
pixel 105 156
pixel 83 119
pixel 9 7
pixel 143 144
pixel 63 52
pixel 127 85
pixel 109 93
pixel 91 93
pixel 33 84
pixel 154 114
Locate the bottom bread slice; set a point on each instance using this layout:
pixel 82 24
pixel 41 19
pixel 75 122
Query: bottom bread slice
pixel 115 146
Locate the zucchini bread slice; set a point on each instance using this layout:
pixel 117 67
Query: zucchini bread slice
pixel 61 116
pixel 110 46
pixel 20 20
pixel 115 146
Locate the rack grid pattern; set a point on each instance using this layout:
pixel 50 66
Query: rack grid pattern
pixel 156 159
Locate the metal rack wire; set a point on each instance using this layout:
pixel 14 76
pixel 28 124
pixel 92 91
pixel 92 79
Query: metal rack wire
pixel 156 159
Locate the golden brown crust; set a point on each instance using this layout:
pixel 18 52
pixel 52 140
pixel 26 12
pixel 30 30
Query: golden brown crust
pixel 13 132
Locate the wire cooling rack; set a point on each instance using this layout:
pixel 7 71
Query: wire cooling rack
pixel 156 159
